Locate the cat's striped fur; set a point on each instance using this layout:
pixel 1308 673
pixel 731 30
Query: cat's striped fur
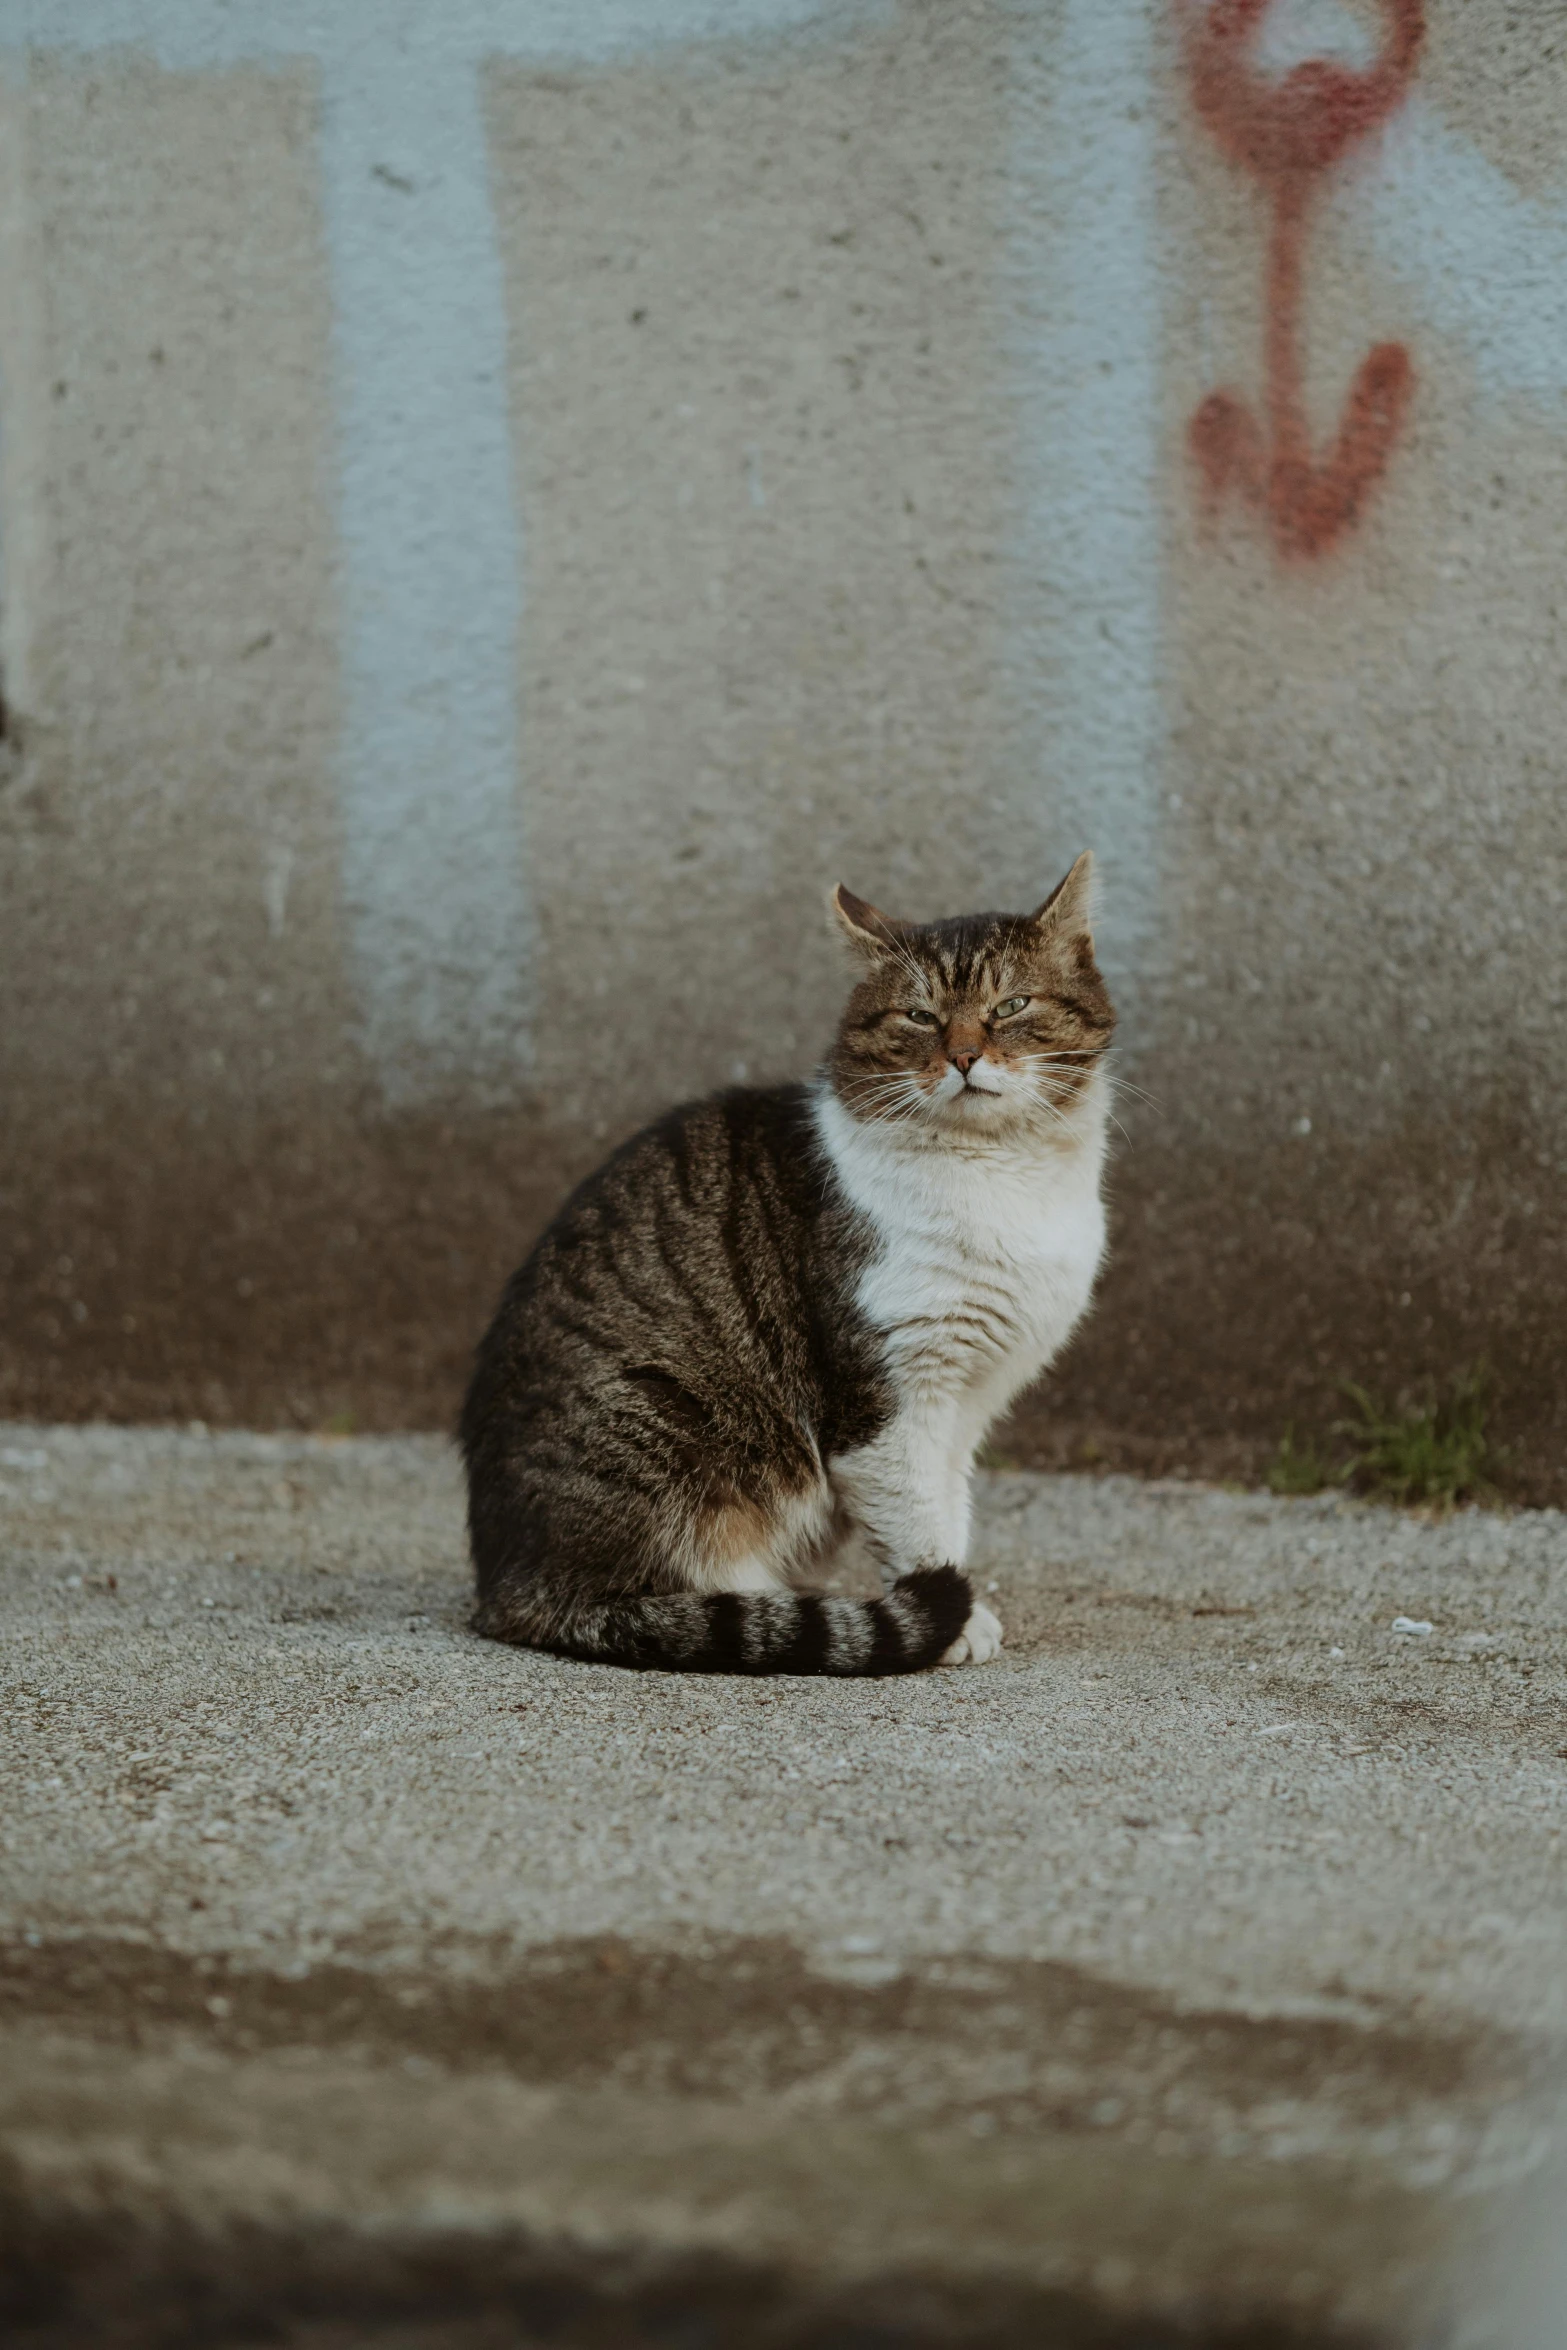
pixel 780 1316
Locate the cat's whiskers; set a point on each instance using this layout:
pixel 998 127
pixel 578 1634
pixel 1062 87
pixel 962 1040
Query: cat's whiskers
pixel 1110 1114
pixel 1040 1095
pixel 1119 1084
pixel 893 1098
pixel 1053 1112
pixel 1137 1093
pixel 898 1081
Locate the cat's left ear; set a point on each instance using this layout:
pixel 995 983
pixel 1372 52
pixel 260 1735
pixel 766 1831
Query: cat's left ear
pixel 1069 910
pixel 868 930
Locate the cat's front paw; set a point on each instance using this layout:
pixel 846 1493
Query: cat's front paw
pixel 979 1640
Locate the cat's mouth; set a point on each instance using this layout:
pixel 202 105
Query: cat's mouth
pixel 972 1098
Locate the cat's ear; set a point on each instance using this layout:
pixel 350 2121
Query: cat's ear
pixel 870 932
pixel 1069 910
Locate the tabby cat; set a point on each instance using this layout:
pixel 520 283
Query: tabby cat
pixel 782 1316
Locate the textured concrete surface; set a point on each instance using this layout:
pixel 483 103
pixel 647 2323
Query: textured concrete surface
pixel 1197 1966
pixel 500 506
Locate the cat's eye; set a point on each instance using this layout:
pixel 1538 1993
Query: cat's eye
pixel 920 1017
pixel 1014 1003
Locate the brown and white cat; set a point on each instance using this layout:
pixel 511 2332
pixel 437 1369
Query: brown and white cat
pixel 783 1315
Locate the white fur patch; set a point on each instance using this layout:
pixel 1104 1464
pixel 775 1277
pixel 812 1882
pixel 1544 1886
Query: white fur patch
pixel 988 1245
pixel 748 1574
pixel 979 1641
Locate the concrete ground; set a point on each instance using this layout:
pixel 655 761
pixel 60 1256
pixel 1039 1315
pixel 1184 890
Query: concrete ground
pixel 1193 1974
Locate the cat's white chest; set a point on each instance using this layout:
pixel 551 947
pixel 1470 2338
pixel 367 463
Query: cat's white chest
pixel 983 1263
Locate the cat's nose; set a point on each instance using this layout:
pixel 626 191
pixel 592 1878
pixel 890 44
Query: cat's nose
pixel 964 1061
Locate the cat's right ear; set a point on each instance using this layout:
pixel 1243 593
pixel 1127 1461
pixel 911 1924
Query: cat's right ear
pixel 1069 909
pixel 870 932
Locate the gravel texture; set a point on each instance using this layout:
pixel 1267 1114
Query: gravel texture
pixel 1216 1893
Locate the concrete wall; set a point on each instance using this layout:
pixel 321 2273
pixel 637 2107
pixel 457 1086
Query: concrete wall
pixel 501 505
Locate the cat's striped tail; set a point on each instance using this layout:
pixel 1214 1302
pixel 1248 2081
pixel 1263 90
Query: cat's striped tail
pixel 752 1632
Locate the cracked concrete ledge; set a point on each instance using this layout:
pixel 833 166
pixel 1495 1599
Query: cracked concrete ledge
pixel 1190 1976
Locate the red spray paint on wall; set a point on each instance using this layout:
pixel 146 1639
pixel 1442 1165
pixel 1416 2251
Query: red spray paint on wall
pixel 1289 133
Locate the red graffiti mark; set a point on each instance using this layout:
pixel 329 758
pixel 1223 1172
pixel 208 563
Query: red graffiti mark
pixel 1289 133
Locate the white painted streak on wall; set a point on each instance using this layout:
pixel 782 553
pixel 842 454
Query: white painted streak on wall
pixel 25 548
pixel 1085 284
pixel 431 593
pixel 1488 262
pixel 434 849
pixel 188 36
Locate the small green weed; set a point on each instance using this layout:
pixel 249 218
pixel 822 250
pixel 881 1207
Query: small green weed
pixel 1302 1468
pixel 340 1424
pixel 1436 1453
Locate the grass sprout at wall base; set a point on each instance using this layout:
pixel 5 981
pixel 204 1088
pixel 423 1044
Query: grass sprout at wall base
pixel 1431 1454
pixel 1302 1467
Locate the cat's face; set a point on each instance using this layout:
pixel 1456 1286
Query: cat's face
pixel 983 1024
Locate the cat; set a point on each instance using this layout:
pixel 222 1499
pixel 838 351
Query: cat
pixel 783 1316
